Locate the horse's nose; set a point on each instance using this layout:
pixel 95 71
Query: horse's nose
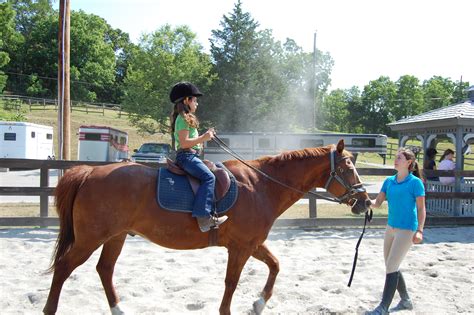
pixel 368 203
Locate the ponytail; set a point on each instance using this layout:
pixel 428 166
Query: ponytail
pixel 414 166
pixel 182 109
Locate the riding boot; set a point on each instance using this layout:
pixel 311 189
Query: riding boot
pixel 206 223
pixel 405 302
pixel 391 283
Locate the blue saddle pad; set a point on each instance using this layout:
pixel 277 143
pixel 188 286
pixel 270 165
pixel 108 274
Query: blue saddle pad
pixel 174 193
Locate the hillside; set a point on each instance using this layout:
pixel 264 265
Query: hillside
pixel 110 118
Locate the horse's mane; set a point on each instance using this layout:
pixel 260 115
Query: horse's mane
pixel 294 155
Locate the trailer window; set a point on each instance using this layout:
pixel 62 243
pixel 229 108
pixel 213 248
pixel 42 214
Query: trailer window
pixel 123 140
pixel 33 134
pixel 49 136
pixel 213 144
pixel 9 136
pixel 311 143
pixel 263 143
pixel 363 142
pixel 92 136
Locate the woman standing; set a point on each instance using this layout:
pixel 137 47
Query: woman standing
pixel 188 144
pixel 405 194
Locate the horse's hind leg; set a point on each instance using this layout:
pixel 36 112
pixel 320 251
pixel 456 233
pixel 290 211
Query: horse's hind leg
pixel 75 257
pixel 105 267
pixel 262 253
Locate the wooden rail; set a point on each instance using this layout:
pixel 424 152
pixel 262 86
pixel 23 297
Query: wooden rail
pixel 44 191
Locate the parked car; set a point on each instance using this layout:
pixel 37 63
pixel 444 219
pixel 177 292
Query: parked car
pixel 152 153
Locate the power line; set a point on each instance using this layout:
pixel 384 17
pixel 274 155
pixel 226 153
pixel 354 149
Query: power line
pixel 49 78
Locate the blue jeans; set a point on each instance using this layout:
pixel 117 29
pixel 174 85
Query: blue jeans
pixel 204 200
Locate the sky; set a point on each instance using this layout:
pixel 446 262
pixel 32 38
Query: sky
pixel 366 38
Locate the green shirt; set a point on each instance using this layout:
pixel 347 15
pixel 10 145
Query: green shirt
pixel 181 124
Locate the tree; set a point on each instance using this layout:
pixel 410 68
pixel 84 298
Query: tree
pixel 8 36
pixel 334 112
pixel 378 98
pixel 262 84
pixel 161 59
pixel 409 98
pixel 98 54
pixel 437 92
pixel 29 19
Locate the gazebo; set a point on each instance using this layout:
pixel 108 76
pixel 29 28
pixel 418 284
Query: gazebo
pixel 454 122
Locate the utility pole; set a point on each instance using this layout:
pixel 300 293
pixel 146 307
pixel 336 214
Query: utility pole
pixel 314 85
pixel 64 95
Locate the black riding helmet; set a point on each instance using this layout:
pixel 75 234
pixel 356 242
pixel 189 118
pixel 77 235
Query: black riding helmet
pixel 183 89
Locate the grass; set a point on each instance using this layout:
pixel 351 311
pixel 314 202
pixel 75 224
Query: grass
pixel 324 210
pixel 110 118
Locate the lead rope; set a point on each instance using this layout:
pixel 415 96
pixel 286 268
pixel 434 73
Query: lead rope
pixel 368 218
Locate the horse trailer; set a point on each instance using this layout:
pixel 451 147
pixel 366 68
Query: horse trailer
pixel 253 145
pixel 100 143
pixel 24 140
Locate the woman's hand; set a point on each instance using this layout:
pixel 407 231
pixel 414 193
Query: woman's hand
pixel 418 237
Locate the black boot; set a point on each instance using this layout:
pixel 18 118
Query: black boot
pixel 391 283
pixel 405 302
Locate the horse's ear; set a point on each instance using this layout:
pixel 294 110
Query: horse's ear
pixel 340 146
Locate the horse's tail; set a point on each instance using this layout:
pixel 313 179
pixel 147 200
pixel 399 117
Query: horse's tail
pixel 65 194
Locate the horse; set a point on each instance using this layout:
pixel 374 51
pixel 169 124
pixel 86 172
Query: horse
pixel 101 205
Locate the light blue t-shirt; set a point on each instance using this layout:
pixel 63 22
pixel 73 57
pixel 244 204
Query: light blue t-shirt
pixel 401 197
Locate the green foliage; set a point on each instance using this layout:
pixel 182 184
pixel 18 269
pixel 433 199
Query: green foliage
pixel 250 80
pixel 98 54
pixel 409 98
pixel 437 92
pixel 162 58
pixel 334 112
pixel 7 36
pixel 263 84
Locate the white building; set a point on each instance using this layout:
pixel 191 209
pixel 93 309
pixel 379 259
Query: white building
pixel 25 140
pixel 101 143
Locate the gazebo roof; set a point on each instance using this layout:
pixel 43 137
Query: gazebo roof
pixel 461 114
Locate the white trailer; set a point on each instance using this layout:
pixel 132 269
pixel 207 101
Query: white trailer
pixel 252 145
pixel 24 140
pixel 101 143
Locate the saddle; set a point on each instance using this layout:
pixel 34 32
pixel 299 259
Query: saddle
pixel 222 177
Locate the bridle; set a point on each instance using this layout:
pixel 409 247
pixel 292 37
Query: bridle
pixel 351 190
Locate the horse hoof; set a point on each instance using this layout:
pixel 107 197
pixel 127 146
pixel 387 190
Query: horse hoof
pixel 116 310
pixel 259 305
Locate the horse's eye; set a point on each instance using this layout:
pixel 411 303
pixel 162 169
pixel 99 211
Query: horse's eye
pixel 341 170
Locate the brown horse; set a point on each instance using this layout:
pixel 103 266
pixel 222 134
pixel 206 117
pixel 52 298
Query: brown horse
pixel 101 205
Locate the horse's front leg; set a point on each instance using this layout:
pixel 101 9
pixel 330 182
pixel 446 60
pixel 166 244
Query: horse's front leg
pixel 236 262
pixel 263 254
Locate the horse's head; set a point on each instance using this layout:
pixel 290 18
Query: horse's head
pixel 344 182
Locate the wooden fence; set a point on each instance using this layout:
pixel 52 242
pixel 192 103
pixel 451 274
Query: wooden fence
pixel 44 191
pixel 14 102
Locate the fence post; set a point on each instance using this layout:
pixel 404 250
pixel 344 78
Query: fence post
pixel 103 109
pixel 313 210
pixel 44 198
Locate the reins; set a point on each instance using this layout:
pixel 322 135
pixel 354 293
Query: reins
pixel 333 175
pixel 226 148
